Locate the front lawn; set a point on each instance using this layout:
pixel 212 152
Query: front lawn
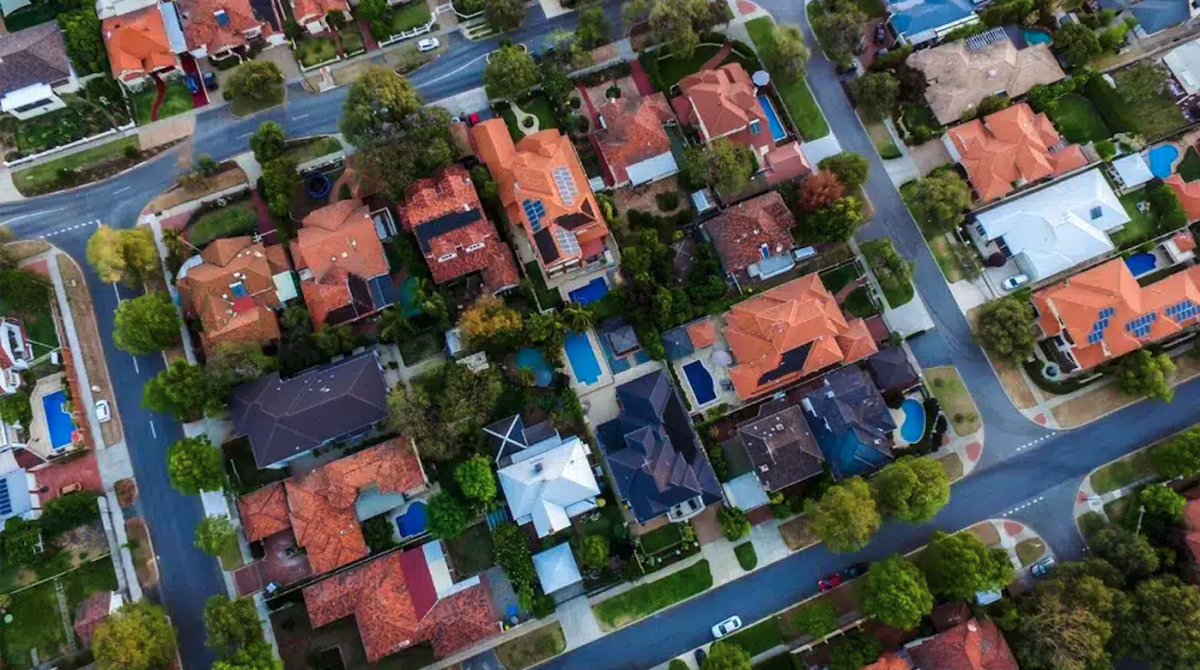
pixel 897 287
pixel 801 104
pixel 307 150
pixel 883 142
pixel 1141 226
pixel 759 637
pixel 414 15
pixel 539 106
pixel 39 326
pixel 72 123
pixel 532 648
pixel 36 624
pixel 859 303
pixel 351 39
pixel 836 279
pixel 177 100
pixel 1078 120
pixel 661 539
pixel 244 106
pixel 36 179
pixel 649 598
pixel 1189 167
pixel 955 399
pixel 1122 473
pixel 312 51
pixel 236 219
pixel 746 556
pixel 471 553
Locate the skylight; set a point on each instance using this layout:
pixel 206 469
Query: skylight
pixel 566 241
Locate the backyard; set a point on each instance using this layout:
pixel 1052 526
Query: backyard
pixel 891 271
pixel 36 624
pixel 646 599
pixel 1142 225
pixel 177 100
pixel 859 301
pixel 532 648
pixel 407 17
pixel 1077 119
pixel 239 218
pixel 955 399
pixel 537 105
pixel 39 326
pixel 471 553
pixel 43 177
pixel 805 113
pixel 77 121
pixel 1189 167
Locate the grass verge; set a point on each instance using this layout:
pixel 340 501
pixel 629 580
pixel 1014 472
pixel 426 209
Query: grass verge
pixel 796 95
pixel 1122 473
pixel 31 180
pixel 649 598
pixel 1030 550
pixel 532 648
pixel 955 399
pixel 759 637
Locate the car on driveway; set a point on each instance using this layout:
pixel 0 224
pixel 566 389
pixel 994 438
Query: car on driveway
pixel 1016 281
pixel 193 83
pixel 880 33
pixel 700 656
pixel 428 44
pixel 726 627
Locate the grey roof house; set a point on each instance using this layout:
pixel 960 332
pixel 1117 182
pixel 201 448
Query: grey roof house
pixel 285 418
pixel 851 423
pixel 16 495
pixel 891 370
pixel 509 437
pixel 1154 15
pixel 781 446
pixel 34 71
pixel 654 454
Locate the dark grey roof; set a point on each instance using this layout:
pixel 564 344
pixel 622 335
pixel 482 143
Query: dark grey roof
pixel 652 450
pixel 891 370
pixel 1153 15
pixel 621 336
pixel 849 404
pixel 791 361
pixel 35 55
pixel 430 230
pixel 544 239
pixel 780 445
pixel 677 343
pixel 510 435
pixel 286 417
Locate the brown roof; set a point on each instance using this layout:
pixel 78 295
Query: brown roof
pixel 230 314
pixel 786 163
pixel 264 512
pixel 634 132
pixel 137 43
pixel 333 243
pixel 974 645
pixel 740 231
pixel 307 11
pixel 1188 193
pixel 723 103
pixel 202 28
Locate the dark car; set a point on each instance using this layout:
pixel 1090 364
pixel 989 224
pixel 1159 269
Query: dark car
pixel 193 83
pixel 210 81
pixel 854 571
pixel 880 33
pixel 700 656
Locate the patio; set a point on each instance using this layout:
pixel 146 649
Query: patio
pixel 282 563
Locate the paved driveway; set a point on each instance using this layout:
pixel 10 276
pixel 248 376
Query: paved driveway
pixel 578 622
pixel 485 661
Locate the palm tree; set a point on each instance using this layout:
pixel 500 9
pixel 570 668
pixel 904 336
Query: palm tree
pixel 577 317
pixel 394 325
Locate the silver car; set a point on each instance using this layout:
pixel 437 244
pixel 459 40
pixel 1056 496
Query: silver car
pixel 1016 281
pixel 726 627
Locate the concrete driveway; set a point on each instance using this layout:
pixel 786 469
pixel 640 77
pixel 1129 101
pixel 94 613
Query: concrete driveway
pixel 485 661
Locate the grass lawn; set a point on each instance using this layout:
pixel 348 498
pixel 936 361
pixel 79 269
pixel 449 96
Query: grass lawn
pixel 246 106
pixel 859 303
pixel 414 15
pixel 1155 116
pixel 546 297
pixel 539 106
pixel 237 219
pixel 1078 120
pixel 310 150
pixel 647 599
pixel 40 328
pixel 882 140
pixel 311 51
pixel 75 122
pixel 759 637
pixel 1030 550
pixel 944 256
pixel 177 100
pixel 90 579
pixel 661 539
pixel 532 648
pixel 352 40
pixel 47 173
pixel 1122 473
pixel 610 523
pixel 36 624
pixel 918 115
pixel 747 558
pixel 948 388
pixel 472 552
pixel 1142 225
pixel 810 123
pixel 1189 167
pixel 895 291
pixel 837 278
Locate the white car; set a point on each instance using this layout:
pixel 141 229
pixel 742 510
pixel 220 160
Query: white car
pixel 103 414
pixel 1015 282
pixel 726 627
pixel 428 44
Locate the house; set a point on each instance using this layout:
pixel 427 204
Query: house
pixel 1103 313
pixel 851 423
pixel 16 354
pixel 311 13
pixel 891 661
pixel 404 598
pixel 9 6
pixel 754 237
pixel 964 72
pixel 781 446
pixel 1154 15
pixel 654 454
pixel 891 371
pixel 93 611
pixel 138 47
pixel 1184 64
pixel 285 418
pixel 35 71
pixel 917 22
pixel 507 437
pixel 545 191
pixel 18 491
pixel 221 29
pixel 722 102
pixel 633 140
pixel 976 645
pixel 1055 228
pixel 343 269
pixel 110 8
pixel 321 508
pixel 549 484
pixel 1010 149
pixel 785 163
pixel 454 235
pixel 1188 193
pixel 789 332
pixel 234 287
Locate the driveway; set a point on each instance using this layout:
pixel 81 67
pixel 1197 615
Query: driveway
pixel 485 661
pixel 578 622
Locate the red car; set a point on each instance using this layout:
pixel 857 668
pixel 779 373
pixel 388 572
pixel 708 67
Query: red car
pixel 831 582
pixel 473 119
pixel 838 578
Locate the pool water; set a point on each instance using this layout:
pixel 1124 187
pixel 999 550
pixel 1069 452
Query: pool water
pixel 777 131
pixel 412 522
pixel 583 358
pixel 1141 263
pixel 701 381
pixel 1161 158
pixel 408 297
pixel 535 362
pixel 590 292
pixel 58 421
pixel 1033 37
pixel 913 427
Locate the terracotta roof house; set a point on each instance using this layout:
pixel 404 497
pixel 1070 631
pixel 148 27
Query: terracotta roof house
pixel 93 611
pixel 1010 149
pixel 963 72
pixel 16 354
pixel 721 102
pixel 974 645
pixel 633 139
pixel 781 446
pixel 454 234
pixel 1054 228
pixel 1102 313
pixel 544 189
pixel 321 508
pixel 654 454
pixel 790 332
pixel 138 46
pixel 343 270
pixel 35 71
pixel 1188 193
pixel 851 423
pixel 232 287
pixel 404 598
pixel 219 28
pixel 549 484
pixel 285 418
pixel 754 237
pixel 890 661
pixel 311 13
pixel 785 164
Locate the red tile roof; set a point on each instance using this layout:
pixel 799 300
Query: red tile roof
pixel 1188 193
pixel 307 11
pixel 264 512
pixel 137 43
pixel 889 661
pixel 1184 241
pixel 702 333
pixel 206 291
pixel 201 27
pixel 786 163
pixel 974 645
pixel 332 243
pixel 740 231
pixel 634 132
pixel 722 103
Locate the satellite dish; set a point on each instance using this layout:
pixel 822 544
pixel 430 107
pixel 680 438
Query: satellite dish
pixel 761 78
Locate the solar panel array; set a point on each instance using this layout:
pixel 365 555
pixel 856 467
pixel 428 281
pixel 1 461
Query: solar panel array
pixel 5 500
pixel 565 184
pixel 1140 327
pixel 566 241
pixel 534 211
pixel 1097 334
pixel 1182 310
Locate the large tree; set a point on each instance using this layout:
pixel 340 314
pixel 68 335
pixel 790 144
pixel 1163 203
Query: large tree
pixel 376 100
pixel 835 222
pixel 146 324
pixel 1163 626
pixel 1077 43
pixel 593 552
pixel 279 180
pixel 788 55
pixel 510 73
pixel 1143 373
pixel 407 150
pixel 474 476
pixel 448 517
pixel 728 166
pixel 231 363
pixel 896 594
pixel 846 517
pixel 136 637
pixel 592 29
pixel 254 656
pixel 940 200
pixel 851 168
pixel 726 656
pixel 820 190
pixel 1179 456
pixel 24 290
pixel 489 323
pixel 1131 554
pixel 1068 622
pixel 127 255
pixel 215 534
pixel 378 16
pixel 1005 329
pixel 194 465
pixel 911 489
pixel 231 623
pixel 84 42
pixel 817 618
pixel 181 390
pixel 445 409
pixel 505 15
pixel 875 95
pixel 267 142
pixel 678 23
pixel 258 80
pixel 840 30
pixel 958 566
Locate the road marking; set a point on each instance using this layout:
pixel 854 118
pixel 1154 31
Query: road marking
pixel 119 301
pixel 1018 508
pixel 153 431
pixel 454 72
pixel 122 190
pixel 135 365
pixel 68 229
pixel 244 136
pixel 1034 442
pixel 302 116
pixel 32 214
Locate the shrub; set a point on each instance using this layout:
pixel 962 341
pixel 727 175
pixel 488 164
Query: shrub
pixel 667 201
pixel 131 152
pixel 734 523
pixel 512 554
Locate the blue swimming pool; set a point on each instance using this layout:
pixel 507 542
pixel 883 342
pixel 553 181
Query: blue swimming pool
pixel 535 362
pixel 412 522
pixel 1141 263
pixel 408 297
pixel 777 131
pixel 583 358
pixel 58 421
pixel 1033 37
pixel 590 292
pixel 701 381
pixel 1161 158
pixel 914 420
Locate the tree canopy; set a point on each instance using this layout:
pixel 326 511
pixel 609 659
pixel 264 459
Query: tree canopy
pixel 788 55
pixel 1179 456
pixel 836 222
pixel 136 637
pixel 279 181
pixel 958 566
pixel 1163 625
pixel 407 150
pixel 820 190
pixel 851 168
pixel 505 15
pixel 1005 329
pixel 511 73
pixel 940 200
pixel 194 465
pixel 259 80
pixel 214 534
pixel 231 622
pixel 678 23
pixel 377 99
pixel 896 594
pixel 1131 554
pixel 1143 373
pixel 444 409
pixel 83 37
pixel 1077 43
pixel 846 517
pixel 490 324
pixel 911 489
pixel 726 656
pixel 181 390
pixel 267 142
pixel 875 94
pixel 146 324
pixel 24 290
pixel 593 552
pixel 447 516
pixel 1069 622
pixel 474 476
pixel 126 255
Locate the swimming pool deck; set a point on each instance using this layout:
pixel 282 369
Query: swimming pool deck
pixel 39 432
pixel 720 373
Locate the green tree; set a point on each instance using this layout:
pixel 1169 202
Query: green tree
pixel 136 637
pixel 853 651
pixel 1142 373
pixel 1162 501
pixel 940 200
pixel 577 317
pixel 511 73
pixel 378 16
pixel 505 15
pixel 279 180
pixel 231 623
pixel 475 478
pixel 254 656
pixel 840 30
pixel 1077 43
pixel 789 55
pixel 336 20
pixel 215 534
pixel 633 11
pixel 1005 329
pixel 729 166
pixel 394 326
pixel 82 35
pixel 232 363
pixel 817 618
pixel 593 552
pixel 1163 625
pixel 733 522
pixel 194 465
pixel 24 290
pixel 875 94
pixel 991 104
pixel 267 142
pixel 377 99
pixel 447 516
pixel 127 255
pixel 556 84
pixel 512 554
pixel 895 593
pixel 911 489
pixel 1069 621
pixel 726 656
pixel 958 566
pixel 1165 206
pixel 1129 553
pixel 836 222
pixel 851 168
pixel 15 408
pixel 146 324
pixel 1179 456
pixel 592 29
pixel 181 390
pixel 379 533
pixel 334 340
pixel 846 517
pixel 407 150
pixel 258 80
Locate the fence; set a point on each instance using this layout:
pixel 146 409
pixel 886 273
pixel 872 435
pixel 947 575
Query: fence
pixel 409 34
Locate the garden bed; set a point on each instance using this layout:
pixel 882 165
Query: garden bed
pixel 236 219
pixel 947 386
pixel 77 121
pixel 649 598
pixel 796 534
pixel 311 51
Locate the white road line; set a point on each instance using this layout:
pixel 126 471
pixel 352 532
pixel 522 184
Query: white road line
pixel 244 136
pixel 454 72
pixel 135 365
pixel 122 190
pixel 118 294
pixel 153 431
pixel 302 116
pixel 32 214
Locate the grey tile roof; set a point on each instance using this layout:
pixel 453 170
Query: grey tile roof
pixel 891 370
pixel 35 55
pixel 780 445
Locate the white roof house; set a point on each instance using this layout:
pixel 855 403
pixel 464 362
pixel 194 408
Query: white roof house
pixel 1057 227
pixel 1184 63
pixel 550 483
pixel 1132 171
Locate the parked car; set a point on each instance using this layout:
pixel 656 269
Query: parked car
pixel 726 627
pixel 210 81
pixel 880 33
pixel 831 582
pixel 193 83
pixel 428 44
pixel 1015 282
pixel 103 413
pixel 1042 567
pixel 700 656
pixel 472 119
pixel 855 571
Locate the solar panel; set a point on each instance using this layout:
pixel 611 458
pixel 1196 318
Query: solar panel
pixel 1107 312
pixel 1095 337
pixel 534 211
pixel 1182 310
pixel 222 18
pixel 566 241
pixel 1140 327
pixel 565 184
pixel 5 501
